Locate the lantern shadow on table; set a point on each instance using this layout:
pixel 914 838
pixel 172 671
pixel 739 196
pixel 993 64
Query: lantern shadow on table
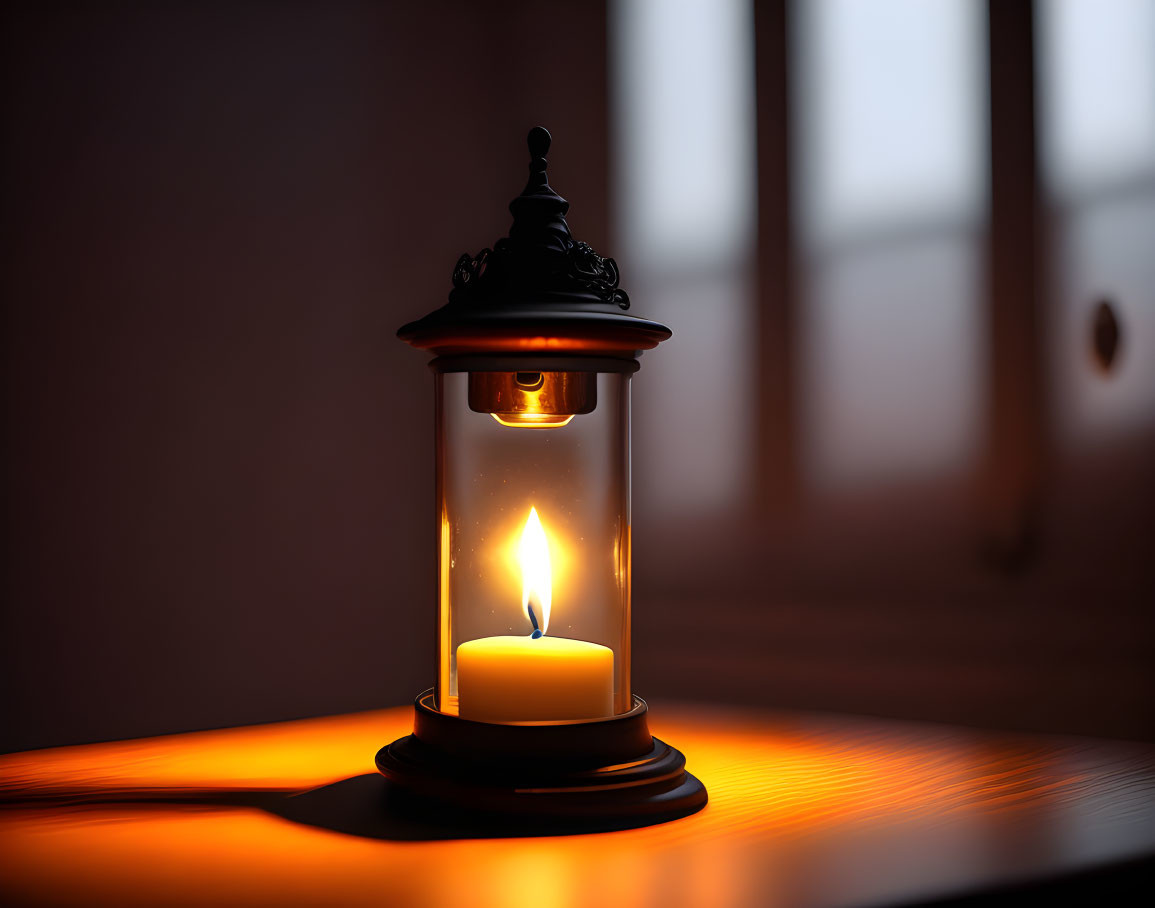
pixel 370 806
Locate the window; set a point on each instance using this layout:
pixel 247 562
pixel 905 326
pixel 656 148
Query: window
pixel 890 120
pixel 684 122
pixel 1097 117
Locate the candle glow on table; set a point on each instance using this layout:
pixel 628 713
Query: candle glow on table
pixel 535 677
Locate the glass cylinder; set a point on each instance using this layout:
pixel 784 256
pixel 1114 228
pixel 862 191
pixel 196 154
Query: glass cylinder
pixel 533 500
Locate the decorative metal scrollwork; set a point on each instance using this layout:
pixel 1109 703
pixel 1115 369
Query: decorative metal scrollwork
pixel 581 269
pixel 597 274
pixel 470 269
pixel 539 262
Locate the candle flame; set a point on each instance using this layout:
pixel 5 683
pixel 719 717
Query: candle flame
pixel 536 583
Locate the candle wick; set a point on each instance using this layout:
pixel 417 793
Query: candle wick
pixel 537 632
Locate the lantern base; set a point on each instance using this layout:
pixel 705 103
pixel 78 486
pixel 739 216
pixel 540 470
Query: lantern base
pixel 552 777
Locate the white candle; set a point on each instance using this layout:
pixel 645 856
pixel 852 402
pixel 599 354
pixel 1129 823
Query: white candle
pixel 534 678
pixel 525 679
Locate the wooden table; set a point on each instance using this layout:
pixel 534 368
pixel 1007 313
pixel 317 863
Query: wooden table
pixel 804 810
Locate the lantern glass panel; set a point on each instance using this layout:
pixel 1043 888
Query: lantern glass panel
pixel 533 488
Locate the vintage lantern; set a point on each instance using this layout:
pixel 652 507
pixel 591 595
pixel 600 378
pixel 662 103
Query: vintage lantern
pixel 533 714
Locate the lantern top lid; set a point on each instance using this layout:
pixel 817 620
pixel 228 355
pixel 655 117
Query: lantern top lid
pixel 537 291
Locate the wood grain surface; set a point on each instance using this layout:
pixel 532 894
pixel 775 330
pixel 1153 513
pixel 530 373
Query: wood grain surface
pixel 804 810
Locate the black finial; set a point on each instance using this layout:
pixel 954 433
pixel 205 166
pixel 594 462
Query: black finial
pixel 539 212
pixel 538 141
pixel 539 261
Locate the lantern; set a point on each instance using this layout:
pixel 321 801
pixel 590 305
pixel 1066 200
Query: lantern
pixel 533 713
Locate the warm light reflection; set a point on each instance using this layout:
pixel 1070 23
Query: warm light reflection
pixel 533 400
pixel 844 808
pixel 536 582
pixel 532 420
pixel 446 701
pixel 286 756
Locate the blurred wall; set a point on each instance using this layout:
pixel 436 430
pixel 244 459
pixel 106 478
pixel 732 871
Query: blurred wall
pixel 878 468
pixel 218 467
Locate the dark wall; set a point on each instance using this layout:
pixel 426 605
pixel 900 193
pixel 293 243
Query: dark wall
pixel 218 470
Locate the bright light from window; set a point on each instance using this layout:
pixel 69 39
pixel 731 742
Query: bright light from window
pixel 891 108
pixel 1097 94
pixel 1097 68
pixel 686 195
pixel 684 92
pixel 891 115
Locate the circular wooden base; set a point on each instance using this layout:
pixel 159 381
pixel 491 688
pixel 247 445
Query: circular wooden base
pixel 573 776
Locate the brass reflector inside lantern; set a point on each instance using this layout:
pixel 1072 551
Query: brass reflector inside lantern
pixel 533 400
